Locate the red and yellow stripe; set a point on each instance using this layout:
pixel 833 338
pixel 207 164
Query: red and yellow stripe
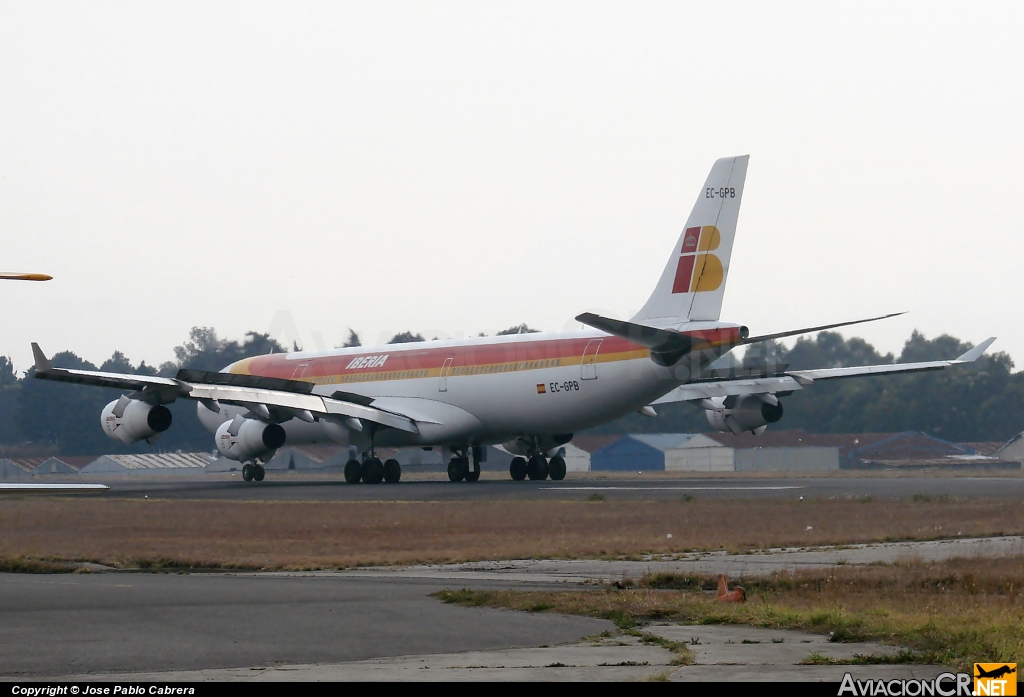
pixel 423 361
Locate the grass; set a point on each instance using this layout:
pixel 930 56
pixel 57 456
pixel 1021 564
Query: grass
pixel 22 565
pixel 175 534
pixel 950 613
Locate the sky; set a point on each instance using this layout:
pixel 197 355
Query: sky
pixel 452 168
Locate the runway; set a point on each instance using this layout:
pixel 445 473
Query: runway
pixel 287 487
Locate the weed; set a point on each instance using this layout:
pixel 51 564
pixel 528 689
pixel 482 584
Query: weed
pixel 899 658
pixel 597 497
pixel 624 664
pixel 816 659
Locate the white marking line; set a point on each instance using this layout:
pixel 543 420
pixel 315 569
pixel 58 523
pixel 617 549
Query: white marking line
pixel 53 487
pixel 667 488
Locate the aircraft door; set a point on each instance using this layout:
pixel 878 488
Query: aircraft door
pixel 442 386
pixel 589 368
pixel 299 371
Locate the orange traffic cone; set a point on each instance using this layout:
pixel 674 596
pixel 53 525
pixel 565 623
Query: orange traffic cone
pixel 736 595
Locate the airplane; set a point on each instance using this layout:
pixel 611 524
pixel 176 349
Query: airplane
pixel 527 392
pixel 995 672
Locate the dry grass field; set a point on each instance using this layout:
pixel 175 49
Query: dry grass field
pixel 302 535
pixel 950 613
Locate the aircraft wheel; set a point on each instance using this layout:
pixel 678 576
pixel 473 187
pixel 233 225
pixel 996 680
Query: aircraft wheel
pixel 556 468
pixel 247 472
pixel 517 468
pixel 258 473
pixel 473 476
pixel 392 471
pixel 353 471
pixel 373 471
pixel 537 469
pixel 457 469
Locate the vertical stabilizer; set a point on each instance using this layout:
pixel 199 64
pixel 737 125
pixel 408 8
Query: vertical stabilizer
pixel 693 283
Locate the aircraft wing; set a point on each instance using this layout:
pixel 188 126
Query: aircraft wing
pixel 792 380
pixel 253 392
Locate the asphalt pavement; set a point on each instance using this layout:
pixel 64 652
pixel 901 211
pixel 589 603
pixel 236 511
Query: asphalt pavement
pixel 288 487
pixel 52 625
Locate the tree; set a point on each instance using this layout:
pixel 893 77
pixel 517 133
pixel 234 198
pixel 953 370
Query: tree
pixel 406 338
pixel 518 329
pixel 205 351
pixel 352 340
pixel 7 376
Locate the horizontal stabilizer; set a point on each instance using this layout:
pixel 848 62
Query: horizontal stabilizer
pixel 641 334
pixel 808 330
pixel 667 346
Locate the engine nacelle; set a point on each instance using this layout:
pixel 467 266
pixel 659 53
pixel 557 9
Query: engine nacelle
pixel 130 420
pixel 245 439
pixel 746 413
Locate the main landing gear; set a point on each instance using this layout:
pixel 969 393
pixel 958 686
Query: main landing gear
pixel 253 471
pixel 373 471
pixel 537 468
pixel 462 467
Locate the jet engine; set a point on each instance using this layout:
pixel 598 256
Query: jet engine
pixel 131 420
pixel 245 439
pixel 737 414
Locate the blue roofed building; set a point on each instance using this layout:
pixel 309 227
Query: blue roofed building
pixel 637 453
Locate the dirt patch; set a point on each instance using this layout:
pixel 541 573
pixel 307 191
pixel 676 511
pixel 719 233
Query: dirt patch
pixel 177 534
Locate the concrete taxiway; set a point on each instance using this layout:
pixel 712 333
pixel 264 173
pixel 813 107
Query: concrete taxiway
pixel 720 653
pixel 382 624
pixel 120 623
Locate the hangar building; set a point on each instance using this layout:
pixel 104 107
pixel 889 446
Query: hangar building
pixel 148 464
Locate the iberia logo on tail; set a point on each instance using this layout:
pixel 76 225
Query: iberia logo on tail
pixel 698 270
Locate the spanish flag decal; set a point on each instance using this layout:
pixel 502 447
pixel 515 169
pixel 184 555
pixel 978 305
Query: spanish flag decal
pixel 540 388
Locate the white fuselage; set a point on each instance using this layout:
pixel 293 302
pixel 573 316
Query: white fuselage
pixel 474 391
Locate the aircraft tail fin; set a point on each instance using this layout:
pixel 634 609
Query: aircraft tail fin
pixel 692 285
